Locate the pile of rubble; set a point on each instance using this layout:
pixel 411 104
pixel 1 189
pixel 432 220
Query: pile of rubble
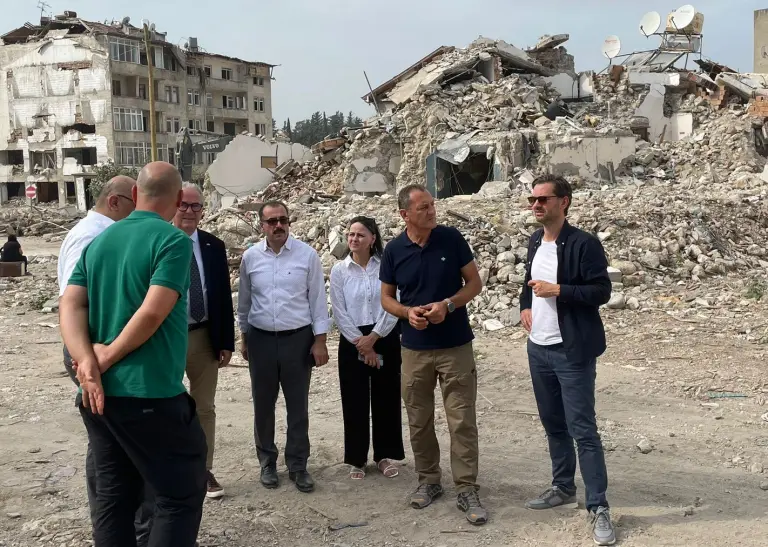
pixel 40 219
pixel 669 246
pixel 678 200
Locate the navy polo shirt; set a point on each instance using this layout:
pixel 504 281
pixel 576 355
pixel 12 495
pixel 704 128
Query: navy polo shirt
pixel 429 274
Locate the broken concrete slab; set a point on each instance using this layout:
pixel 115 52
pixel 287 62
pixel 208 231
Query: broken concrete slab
pixel 549 42
pixel 337 244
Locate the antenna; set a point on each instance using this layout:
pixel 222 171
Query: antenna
pixel 683 16
pixel 650 23
pixel 43 7
pixel 611 46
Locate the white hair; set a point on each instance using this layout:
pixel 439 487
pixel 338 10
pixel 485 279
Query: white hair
pixel 196 187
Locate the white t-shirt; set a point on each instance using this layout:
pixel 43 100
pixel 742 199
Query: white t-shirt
pixel 545 330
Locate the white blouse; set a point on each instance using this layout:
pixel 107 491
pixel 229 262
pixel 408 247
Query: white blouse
pixel 356 299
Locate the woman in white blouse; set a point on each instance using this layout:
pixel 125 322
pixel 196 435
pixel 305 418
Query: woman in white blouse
pixel 369 355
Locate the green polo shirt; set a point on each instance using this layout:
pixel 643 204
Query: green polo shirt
pixel 118 268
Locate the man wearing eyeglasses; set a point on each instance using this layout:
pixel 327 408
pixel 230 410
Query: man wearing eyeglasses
pixel 210 317
pixel 566 282
pixel 283 316
pixel 113 204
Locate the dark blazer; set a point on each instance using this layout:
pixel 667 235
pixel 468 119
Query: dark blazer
pixel 582 273
pixel 221 317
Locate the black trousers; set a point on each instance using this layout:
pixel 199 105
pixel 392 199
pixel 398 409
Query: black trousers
pixel 367 391
pixel 143 520
pixel 278 360
pixel 157 442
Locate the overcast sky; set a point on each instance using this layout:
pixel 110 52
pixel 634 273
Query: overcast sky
pixel 323 46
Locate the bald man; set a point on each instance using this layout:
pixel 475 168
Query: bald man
pixel 123 318
pixel 115 202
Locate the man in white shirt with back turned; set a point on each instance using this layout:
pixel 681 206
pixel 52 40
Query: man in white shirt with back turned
pixel 283 317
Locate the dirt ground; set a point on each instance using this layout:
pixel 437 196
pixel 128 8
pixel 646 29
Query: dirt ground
pixel 663 379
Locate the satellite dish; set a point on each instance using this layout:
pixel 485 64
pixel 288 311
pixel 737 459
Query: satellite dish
pixel 650 23
pixel 612 46
pixel 126 20
pixel 683 16
pixel 152 27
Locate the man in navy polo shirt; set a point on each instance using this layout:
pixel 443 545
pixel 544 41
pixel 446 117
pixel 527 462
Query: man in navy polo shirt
pixel 435 271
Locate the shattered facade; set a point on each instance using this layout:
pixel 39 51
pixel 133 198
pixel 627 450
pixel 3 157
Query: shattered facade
pixel 74 94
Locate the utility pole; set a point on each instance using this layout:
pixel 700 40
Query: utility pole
pixel 152 121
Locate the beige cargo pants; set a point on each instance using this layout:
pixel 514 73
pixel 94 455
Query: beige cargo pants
pixel 454 368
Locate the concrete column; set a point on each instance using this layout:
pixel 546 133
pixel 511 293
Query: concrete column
pixel 62 193
pixel 80 193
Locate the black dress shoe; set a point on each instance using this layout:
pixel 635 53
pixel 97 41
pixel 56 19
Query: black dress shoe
pixel 269 477
pixel 303 480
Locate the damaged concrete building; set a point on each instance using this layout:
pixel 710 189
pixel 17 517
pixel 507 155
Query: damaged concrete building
pixel 491 116
pixel 74 94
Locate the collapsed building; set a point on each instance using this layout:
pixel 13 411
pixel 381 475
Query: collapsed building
pixel 75 94
pixel 659 156
pixel 493 115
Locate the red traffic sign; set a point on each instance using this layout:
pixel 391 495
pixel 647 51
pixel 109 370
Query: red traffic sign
pixel 31 192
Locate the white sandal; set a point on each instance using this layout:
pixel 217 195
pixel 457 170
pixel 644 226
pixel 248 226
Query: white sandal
pixel 356 473
pixel 389 469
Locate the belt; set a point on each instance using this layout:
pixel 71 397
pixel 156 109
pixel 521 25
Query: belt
pixel 280 332
pixel 196 326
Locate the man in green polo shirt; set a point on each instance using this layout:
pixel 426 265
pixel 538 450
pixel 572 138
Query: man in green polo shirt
pixel 124 320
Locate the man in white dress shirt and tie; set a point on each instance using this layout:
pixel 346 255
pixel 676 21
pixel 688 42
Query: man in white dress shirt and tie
pixel 283 316
pixel 210 318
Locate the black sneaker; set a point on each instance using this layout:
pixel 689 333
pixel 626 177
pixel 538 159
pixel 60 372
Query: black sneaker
pixel 551 498
pixel 469 502
pixel 425 494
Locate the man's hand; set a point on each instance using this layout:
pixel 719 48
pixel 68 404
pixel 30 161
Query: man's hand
pixel 526 319
pixel 320 352
pixel 364 344
pixel 436 312
pixel 416 317
pixel 90 381
pixel 225 356
pixel 544 289
pixel 103 356
pixel 244 346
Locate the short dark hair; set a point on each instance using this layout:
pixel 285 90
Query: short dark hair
pixel 273 203
pixel 404 195
pixel 562 187
pixel 12 237
pixel 371 226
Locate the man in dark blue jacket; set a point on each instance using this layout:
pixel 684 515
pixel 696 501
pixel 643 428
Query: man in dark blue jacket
pixel 566 282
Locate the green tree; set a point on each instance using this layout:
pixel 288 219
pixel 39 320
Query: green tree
pixel 104 172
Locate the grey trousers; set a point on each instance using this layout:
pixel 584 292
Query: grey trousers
pixel 278 360
pixel 145 512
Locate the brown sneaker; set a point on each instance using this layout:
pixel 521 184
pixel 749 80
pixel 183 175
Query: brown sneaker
pixel 425 494
pixel 469 502
pixel 214 488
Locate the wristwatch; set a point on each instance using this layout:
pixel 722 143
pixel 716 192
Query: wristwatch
pixel 451 305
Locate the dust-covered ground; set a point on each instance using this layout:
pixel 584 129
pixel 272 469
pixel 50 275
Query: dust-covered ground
pixel 694 388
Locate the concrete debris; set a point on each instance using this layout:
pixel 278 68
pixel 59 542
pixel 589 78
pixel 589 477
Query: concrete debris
pixel 645 446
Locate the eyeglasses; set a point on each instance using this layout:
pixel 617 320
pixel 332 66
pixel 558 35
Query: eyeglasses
pixel 126 197
pixel 541 199
pixel 196 207
pixel 275 221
